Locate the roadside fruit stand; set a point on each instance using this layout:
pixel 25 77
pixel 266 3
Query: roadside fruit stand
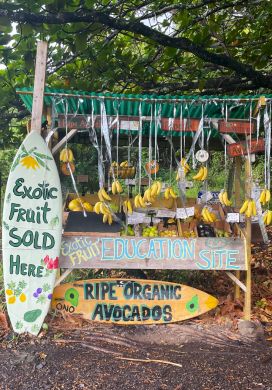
pixel 140 219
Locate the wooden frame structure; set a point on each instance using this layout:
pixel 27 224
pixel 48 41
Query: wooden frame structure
pixel 38 97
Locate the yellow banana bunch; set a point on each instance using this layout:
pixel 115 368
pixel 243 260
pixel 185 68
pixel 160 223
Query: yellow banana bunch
pixel 170 193
pixel 116 187
pixel 224 199
pixel 147 196
pixel 201 174
pixel 139 201
pixel 102 208
pixel 265 196
pixel 102 195
pixel 66 155
pixel 124 164
pixel 248 208
pixel 267 217
pixel 207 215
pixel 114 164
pixel 127 207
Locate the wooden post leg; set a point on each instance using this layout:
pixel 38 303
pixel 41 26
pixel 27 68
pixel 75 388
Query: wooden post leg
pixel 247 308
pixel 237 195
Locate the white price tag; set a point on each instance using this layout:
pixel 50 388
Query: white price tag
pixel 165 214
pixel 130 182
pixel 206 196
pixel 233 217
pixel 183 213
pixel 136 218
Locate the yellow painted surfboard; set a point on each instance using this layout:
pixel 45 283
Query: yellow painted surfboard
pixel 131 302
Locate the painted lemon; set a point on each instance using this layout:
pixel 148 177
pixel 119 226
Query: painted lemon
pixel 9 291
pixel 22 297
pixel 11 300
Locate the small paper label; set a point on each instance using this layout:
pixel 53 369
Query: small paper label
pixel 136 218
pixel 233 217
pixel 183 213
pixel 165 214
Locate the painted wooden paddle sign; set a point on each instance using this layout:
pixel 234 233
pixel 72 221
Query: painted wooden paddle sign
pixel 31 234
pixel 131 302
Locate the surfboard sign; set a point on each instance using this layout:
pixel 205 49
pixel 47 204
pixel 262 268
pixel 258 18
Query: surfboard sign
pixel 31 234
pixel 131 302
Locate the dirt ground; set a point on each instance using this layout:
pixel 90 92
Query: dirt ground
pixel 186 356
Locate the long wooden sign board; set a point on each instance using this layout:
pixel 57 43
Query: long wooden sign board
pixel 240 149
pixel 236 126
pixel 131 302
pixel 152 253
pixel 128 123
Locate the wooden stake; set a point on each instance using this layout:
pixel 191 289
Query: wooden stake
pixel 247 308
pixel 39 83
pixel 237 195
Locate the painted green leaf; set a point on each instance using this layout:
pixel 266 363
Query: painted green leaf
pixel 32 315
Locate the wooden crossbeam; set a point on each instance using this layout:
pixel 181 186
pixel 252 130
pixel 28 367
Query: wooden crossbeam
pixel 65 139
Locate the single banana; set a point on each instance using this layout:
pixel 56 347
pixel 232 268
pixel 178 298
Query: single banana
pixel 100 197
pixel 249 210
pixel 136 201
pixel 154 188
pixel 159 187
pixel 104 194
pixel 167 194
pixel 267 196
pixel 96 208
pixel 199 175
pixel 172 193
pixel 129 207
pixel 265 217
pixel 262 196
pixel 113 187
pixel 220 197
pixel 119 187
pixel 269 217
pixel 244 206
pixel 124 164
pixel 125 206
pixel 104 209
pixel 142 202
pixel 105 218
pixel 148 194
pixel 205 174
pixel 109 219
pixel 225 198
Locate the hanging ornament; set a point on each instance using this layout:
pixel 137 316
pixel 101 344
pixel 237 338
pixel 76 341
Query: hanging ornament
pixel 152 167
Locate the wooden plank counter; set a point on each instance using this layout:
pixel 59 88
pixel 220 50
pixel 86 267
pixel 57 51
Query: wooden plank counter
pixel 92 251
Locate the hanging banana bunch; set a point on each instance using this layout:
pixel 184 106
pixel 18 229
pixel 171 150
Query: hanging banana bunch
pixel 116 187
pixel 127 207
pixel 224 199
pixel 66 155
pixel 267 217
pixel 170 193
pixel 102 195
pixel 207 215
pixel 139 201
pixel 265 196
pixel 201 174
pixel 102 208
pixel 248 208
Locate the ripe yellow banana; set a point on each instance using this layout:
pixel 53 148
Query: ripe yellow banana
pixel 225 199
pixel 129 207
pixel 96 208
pixel 172 193
pixel 185 165
pixel 199 175
pixel 136 201
pixel 254 209
pixel 66 155
pixel 205 174
pixel 141 202
pixel 267 196
pixel 159 187
pixel 124 164
pixel 119 187
pixel 125 208
pixel 147 195
pixel 249 210
pixel 269 217
pixel 154 188
pixel 104 194
pixel 113 187
pixel 244 206
pixel 167 193
pixel 262 196
pixel 105 218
